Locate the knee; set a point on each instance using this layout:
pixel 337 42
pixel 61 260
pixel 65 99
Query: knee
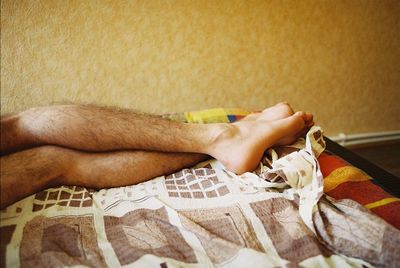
pixel 40 167
pixel 38 118
pixel 36 124
pixel 12 137
pixel 59 156
pixel 58 162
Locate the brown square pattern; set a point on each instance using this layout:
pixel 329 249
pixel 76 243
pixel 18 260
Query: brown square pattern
pixel 196 183
pixel 64 196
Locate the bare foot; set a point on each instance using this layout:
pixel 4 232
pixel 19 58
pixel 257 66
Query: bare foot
pixel 276 112
pixel 308 123
pixel 240 146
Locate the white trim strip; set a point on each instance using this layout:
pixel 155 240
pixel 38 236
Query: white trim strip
pixel 365 138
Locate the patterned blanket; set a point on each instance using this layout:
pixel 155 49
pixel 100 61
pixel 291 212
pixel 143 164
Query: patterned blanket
pixel 206 216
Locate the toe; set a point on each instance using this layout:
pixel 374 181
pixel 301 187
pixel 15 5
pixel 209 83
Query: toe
pixel 300 114
pixel 308 117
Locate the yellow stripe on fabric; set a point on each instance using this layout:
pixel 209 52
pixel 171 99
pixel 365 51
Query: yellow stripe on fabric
pixel 343 174
pixel 207 116
pixel 236 111
pixel 216 115
pixel 382 202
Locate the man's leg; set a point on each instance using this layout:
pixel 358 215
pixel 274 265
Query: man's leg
pixel 27 172
pixel 93 128
pixel 46 125
pixel 239 146
pixel 30 171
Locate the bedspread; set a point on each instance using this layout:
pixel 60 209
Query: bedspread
pixel 205 216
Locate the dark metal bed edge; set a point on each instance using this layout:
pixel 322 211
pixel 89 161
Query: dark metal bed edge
pixel 381 177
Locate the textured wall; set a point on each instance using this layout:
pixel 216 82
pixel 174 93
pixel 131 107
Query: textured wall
pixel 337 59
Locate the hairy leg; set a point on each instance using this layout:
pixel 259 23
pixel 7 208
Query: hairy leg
pixel 30 171
pixel 121 168
pixel 238 146
pixel 92 128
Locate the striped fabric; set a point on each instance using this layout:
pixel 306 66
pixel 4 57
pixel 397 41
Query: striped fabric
pixel 341 180
pixel 217 115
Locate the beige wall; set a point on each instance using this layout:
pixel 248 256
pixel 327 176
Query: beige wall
pixel 337 59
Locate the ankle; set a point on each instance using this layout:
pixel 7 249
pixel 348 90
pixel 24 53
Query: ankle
pixel 220 135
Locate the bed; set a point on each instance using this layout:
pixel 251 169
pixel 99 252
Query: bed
pixel 308 204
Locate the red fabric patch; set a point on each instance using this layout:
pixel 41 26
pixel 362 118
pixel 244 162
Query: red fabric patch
pixel 364 192
pixel 390 213
pixel 329 163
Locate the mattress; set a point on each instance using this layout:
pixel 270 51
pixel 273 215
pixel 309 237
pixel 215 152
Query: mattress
pixel 303 206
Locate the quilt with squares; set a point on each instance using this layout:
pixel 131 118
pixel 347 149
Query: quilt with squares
pixel 299 208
